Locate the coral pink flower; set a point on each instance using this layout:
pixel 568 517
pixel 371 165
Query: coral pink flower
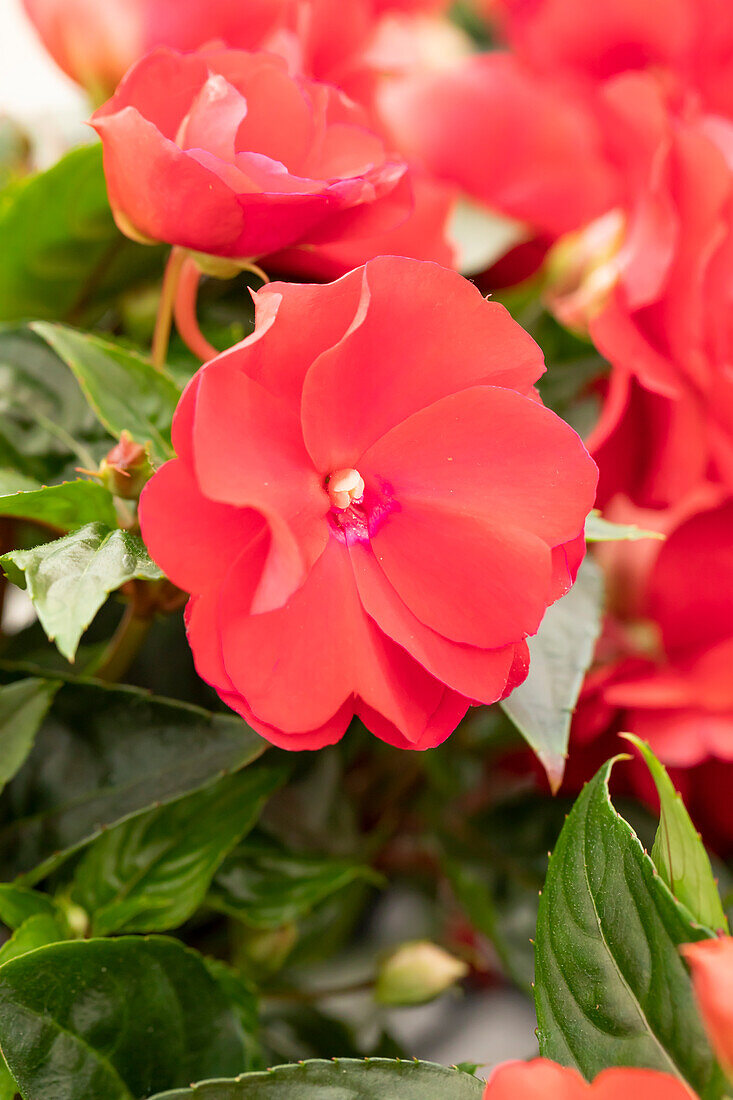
pixel 370 507
pixel 545 1080
pixel 689 43
pixel 711 962
pixel 96 43
pixel 226 153
pixel 507 138
pixel 683 702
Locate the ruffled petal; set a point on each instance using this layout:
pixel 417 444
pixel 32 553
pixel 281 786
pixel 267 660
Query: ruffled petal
pixel 442 334
pixel 193 539
pixel 492 453
pixel 475 582
pixel 478 674
pixel 298 666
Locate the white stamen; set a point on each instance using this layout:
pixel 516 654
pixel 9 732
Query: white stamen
pixel 345 487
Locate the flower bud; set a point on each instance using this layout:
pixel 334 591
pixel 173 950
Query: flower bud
pixel 126 468
pixel 583 268
pixel 417 972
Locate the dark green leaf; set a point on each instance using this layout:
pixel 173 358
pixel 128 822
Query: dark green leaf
pixel 560 655
pixel 66 507
pixel 23 707
pixel 114 1020
pixel 151 873
pixel 103 755
pixel 610 986
pixel 46 426
pixel 267 886
pixel 62 253
pixel 69 579
pixel 18 903
pixel 342 1079
pixel 35 932
pixel 126 392
pixel 678 853
pixel 598 529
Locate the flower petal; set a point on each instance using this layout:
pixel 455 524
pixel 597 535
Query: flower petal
pixel 490 452
pixel 443 337
pixel 475 582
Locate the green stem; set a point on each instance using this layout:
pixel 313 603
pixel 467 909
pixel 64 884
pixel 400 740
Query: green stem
pixel 309 996
pixel 124 646
pixel 164 319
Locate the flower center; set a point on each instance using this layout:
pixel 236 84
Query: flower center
pixel 345 487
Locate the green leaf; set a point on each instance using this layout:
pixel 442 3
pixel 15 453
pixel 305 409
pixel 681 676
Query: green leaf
pixel 46 426
pixel 67 506
pixel 8 1087
pixel 152 873
pixel 598 529
pixel 104 755
pixel 12 481
pixel 35 932
pixel 267 886
pixel 18 903
pixel 560 654
pixel 123 388
pixel 114 1020
pixel 23 706
pixel 678 853
pixel 610 984
pixel 342 1079
pixel 68 580
pixel 62 252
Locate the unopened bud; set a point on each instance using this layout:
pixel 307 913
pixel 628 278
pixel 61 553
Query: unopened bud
pixel 416 973
pixel 583 269
pixel 126 468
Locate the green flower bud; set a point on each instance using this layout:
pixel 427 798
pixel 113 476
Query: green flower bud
pixel 417 972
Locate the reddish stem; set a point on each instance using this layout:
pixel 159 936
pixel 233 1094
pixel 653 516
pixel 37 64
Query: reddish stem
pixel 184 311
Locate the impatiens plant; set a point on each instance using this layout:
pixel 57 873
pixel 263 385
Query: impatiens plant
pixel 331 577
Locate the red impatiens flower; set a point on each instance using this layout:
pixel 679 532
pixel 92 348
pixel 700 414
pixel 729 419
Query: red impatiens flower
pixel 682 703
pixel 541 1079
pixel 96 43
pixel 370 507
pixel 226 153
pixel 711 962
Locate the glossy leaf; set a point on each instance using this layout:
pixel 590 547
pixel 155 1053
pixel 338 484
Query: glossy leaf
pixel 69 579
pixel 598 529
pixel 151 874
pixel 124 389
pixel 267 886
pixel 114 1020
pixel 678 853
pixel 46 426
pixel 62 252
pixel 65 507
pixel 372 1079
pixel 610 984
pixel 35 932
pixel 106 754
pixel 18 903
pixel 560 654
pixel 23 706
